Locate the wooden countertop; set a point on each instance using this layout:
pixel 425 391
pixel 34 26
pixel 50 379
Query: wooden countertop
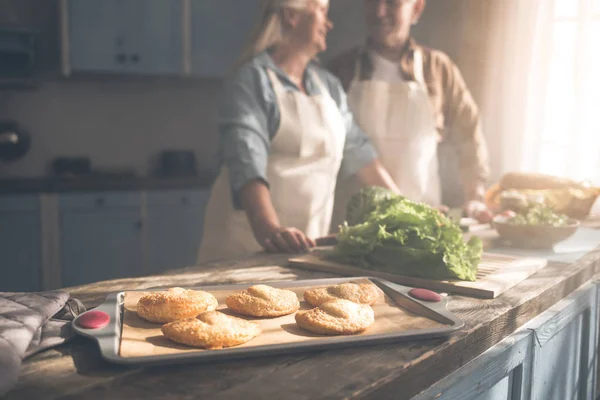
pixel 402 370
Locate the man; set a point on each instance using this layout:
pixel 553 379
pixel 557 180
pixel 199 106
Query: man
pixel 408 98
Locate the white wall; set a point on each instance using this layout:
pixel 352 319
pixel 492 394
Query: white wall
pixel 116 121
pixel 120 123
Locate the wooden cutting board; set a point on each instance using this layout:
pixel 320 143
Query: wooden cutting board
pixel 497 273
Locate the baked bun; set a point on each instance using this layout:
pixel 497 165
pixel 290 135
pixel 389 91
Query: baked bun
pixel 263 301
pixel 362 293
pixel 336 317
pixel 211 330
pixel 174 304
pixel 562 195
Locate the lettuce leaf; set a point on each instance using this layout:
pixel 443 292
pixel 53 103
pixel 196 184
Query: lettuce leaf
pixel 400 236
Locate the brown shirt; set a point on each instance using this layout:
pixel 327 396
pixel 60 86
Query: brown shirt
pixel 456 114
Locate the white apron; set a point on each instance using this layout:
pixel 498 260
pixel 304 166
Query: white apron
pixel 304 160
pixel 398 118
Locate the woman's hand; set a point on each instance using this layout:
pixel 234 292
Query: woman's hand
pixel 284 240
pixel 274 238
pixel 268 232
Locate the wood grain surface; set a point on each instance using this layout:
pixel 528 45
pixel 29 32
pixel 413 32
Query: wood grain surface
pixel 497 273
pixel 76 370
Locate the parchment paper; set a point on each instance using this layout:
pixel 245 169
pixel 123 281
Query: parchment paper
pixel 141 338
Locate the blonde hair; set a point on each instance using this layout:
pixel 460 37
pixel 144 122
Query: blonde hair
pixel 269 29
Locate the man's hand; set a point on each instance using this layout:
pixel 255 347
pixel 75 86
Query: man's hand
pixel 478 210
pixel 442 209
pixel 475 207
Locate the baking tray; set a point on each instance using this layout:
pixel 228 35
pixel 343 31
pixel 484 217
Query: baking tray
pixel 436 320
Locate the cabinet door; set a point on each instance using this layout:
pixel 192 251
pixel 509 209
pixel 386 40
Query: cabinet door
pixel 501 373
pixel 155 36
pixel 97 35
pixel 173 228
pixel 553 356
pixel 20 244
pixel 220 29
pixel 126 36
pixel 565 348
pixel 101 237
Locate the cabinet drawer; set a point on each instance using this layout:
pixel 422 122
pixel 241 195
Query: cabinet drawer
pixel 20 249
pixel 197 197
pixel 101 200
pixel 19 203
pixel 101 244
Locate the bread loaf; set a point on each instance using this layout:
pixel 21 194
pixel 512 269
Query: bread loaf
pixel 563 195
pixel 522 180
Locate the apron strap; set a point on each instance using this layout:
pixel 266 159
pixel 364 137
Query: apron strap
pixel 322 88
pixel 418 67
pixel 358 66
pixel 278 86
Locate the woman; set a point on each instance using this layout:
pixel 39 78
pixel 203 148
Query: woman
pixel 285 132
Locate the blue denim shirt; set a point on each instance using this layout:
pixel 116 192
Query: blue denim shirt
pixel 249 117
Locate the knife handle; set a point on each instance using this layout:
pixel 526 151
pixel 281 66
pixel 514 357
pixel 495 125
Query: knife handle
pixel 329 240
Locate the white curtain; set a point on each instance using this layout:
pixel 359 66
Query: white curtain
pixel 542 89
pixel 513 77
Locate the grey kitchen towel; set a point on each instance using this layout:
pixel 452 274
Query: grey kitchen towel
pixel 29 323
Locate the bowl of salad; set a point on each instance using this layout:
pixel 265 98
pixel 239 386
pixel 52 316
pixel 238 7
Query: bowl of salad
pixel 538 227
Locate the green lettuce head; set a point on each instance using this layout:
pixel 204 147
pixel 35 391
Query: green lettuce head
pixel 390 233
pixel 365 202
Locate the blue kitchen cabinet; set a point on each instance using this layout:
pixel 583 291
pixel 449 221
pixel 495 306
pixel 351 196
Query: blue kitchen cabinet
pixel 155 36
pixel 96 35
pixel 219 31
pixel 100 237
pixel 125 36
pixel 20 244
pixel 500 373
pixel 565 348
pixel 552 357
pixel 173 228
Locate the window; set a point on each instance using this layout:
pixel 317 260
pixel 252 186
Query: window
pixel 570 138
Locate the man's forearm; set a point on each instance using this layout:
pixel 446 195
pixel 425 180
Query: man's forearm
pixel 474 190
pixel 474 201
pixel 374 174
